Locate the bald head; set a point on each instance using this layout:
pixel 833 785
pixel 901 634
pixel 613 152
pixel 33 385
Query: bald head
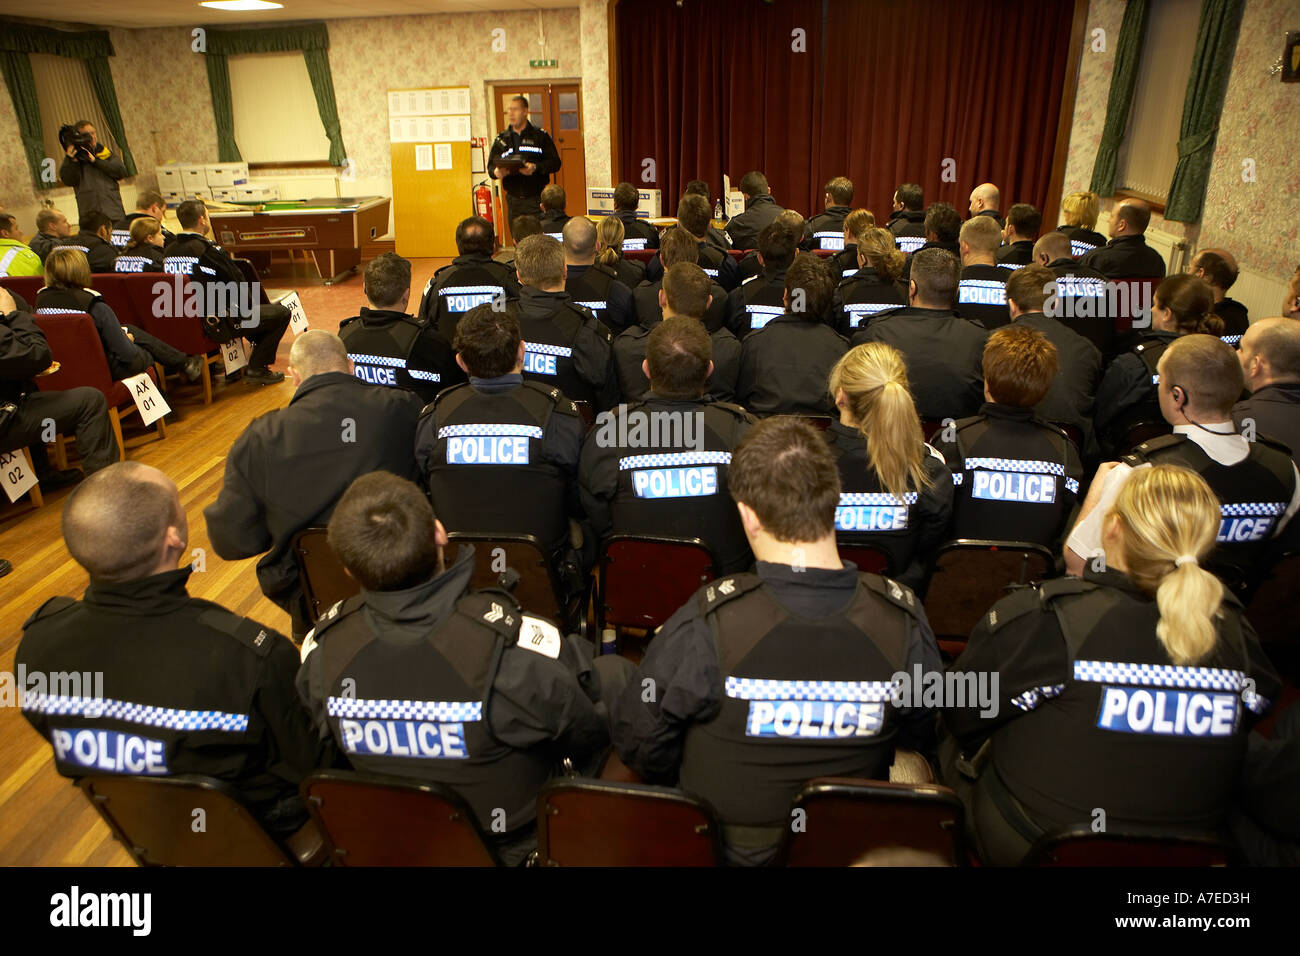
pixel 125 522
pixel 1129 217
pixel 579 242
pixel 1270 353
pixel 1053 246
pixel 985 196
pixel 316 352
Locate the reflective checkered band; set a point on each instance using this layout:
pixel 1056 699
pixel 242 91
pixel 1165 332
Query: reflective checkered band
pixel 107 709
pixel 875 498
pixel 753 688
pixel 1011 265
pixel 631 245
pixel 1016 464
pixel 765 309
pixel 447 710
pixel 674 459
pixel 594 306
pixel 363 359
pixel 848 272
pixel 1231 339
pixel 424 376
pixel 1036 695
pixel 541 348
pixel 957 477
pixel 910 243
pixel 1072 485
pixel 557 236
pixel 47 310
pixel 452 431
pixel 1158 675
pixel 869 308
pixel 469 289
pixel 86 250
pixel 530 149
pixel 1078 248
pixel 711 272
pixel 1269 508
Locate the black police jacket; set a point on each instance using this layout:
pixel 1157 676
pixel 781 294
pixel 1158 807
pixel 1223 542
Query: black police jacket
pixel 290 467
pixel 187 688
pixel 825 230
pixel 553 221
pixel 24 354
pixel 784 367
pixel 1126 257
pixel 567 347
pixel 1071 398
pixel 43 242
pixel 629 272
pixel 863 295
pixel 462 284
pixel 760 212
pixel 532 145
pixel 630 347
pixel 1274 411
pixel 599 289
pixel 645 300
pixel 125 358
pixel 141 258
pixel 907 222
pixel 392 348
pixel 1015 254
pixel 1081 302
pixel 201 259
pixel 1127 393
pixel 1236 320
pixel 756 302
pixel 99 253
pixel 982 295
pixel 717 265
pixel 1082 241
pixel 845 262
pixel 638 233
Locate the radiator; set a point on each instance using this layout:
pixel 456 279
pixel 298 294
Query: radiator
pixel 1172 248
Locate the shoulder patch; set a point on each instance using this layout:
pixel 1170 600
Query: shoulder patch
pixel 54 605
pixel 1015 605
pixel 492 608
pixel 716 593
pixel 256 637
pixel 893 591
pixel 1141 453
pixel 540 636
pixel 346 322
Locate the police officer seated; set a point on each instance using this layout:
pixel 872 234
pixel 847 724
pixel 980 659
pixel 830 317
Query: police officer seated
pixel 907 221
pixel 389 347
pixel 609 253
pixel 568 348
pixel 981 291
pixel 896 492
pixel 1127 255
pixel 16 259
pixel 1131 690
pixel 685 292
pixel 785 364
pixel 1070 398
pixel 470 279
pixel 659 465
pixel 1023 223
pixel 492 699
pixel 1080 211
pixel 748 267
pixel 1080 301
pixel 1127 394
pixel 985 200
pixel 944 354
pixel 714 236
pixel 1266 823
pixel 1219 270
pixel 182 686
pixel 763 681
pixel 875 286
pixel 826 229
pixel 942 231
pixel 845 262
pixel 678 246
pixel 760 209
pixel 95 232
pixel 51 229
pixel 287 469
pixel 637 232
pixel 693 217
pixel 1270 361
pixel 761 298
pixel 595 287
pixel 499 454
pixel 553 216
pixel 192 253
pixel 1255 480
pixel 1017 477
pixel 143 251
pixel 149 204
pixel 129 349
pixel 521 227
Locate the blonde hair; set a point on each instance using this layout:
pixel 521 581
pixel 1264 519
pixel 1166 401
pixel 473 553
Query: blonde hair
pixel 142 230
pixel 1167 512
pixel 874 379
pixel 67 267
pixel 1081 209
pixel 609 237
pixel 878 249
pixel 858 220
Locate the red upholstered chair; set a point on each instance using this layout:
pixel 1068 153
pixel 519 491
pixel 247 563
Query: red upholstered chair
pixel 869 559
pixel 80 354
pixel 643 579
pixel 174 327
pixel 737 254
pixel 968 576
pixel 1080 846
pixel 1130 297
pixel 25 286
pixel 640 255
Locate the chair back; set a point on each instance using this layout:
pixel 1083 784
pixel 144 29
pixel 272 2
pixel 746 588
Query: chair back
pixel 643 580
pixel 25 286
pixel 173 326
pixel 539 590
pixel 868 558
pixel 74 342
pixel 1080 846
pixel 969 576
pixel 321 576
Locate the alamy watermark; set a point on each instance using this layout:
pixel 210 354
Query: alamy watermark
pixel 16 688
pixel 234 300
pixel 1085 297
pixel 622 427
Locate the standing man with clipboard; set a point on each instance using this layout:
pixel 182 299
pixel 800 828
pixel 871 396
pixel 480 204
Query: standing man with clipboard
pixel 523 157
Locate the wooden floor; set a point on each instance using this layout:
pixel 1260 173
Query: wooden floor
pixel 44 819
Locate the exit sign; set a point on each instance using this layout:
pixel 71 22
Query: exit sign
pixel 543 63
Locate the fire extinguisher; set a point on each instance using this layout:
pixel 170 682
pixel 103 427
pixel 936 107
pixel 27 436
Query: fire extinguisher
pixel 483 200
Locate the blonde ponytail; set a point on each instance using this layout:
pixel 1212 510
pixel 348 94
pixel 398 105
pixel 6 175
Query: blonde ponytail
pixel 873 377
pixel 880 252
pixel 609 234
pixel 1169 518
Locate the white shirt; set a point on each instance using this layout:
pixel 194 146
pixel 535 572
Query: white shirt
pixel 1219 440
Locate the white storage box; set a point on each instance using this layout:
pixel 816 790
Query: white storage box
pixel 600 202
pixel 193 178
pixel 225 175
pixel 169 179
pixel 255 192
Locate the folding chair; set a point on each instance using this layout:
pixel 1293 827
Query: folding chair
pixel 644 579
pixel 370 820
pixel 540 589
pixel 844 819
pixel 594 823
pixel 820 422
pixel 181 331
pixel 969 576
pixel 868 558
pixel 1080 846
pixel 154 818
pixel 321 576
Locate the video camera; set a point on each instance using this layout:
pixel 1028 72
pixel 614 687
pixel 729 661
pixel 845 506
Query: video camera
pixel 82 141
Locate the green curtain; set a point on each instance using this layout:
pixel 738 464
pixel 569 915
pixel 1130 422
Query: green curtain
pixel 312 39
pixel 80 45
pixel 1123 78
pixel 101 81
pixel 223 111
pixel 17 70
pixel 1216 42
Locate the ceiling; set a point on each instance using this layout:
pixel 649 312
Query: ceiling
pixel 188 13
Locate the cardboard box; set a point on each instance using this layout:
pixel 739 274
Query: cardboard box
pixel 224 195
pixel 169 179
pixel 174 197
pixel 255 192
pixel 225 175
pixel 600 202
pixel 193 178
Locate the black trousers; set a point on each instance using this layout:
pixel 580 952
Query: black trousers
pixel 81 411
pixel 150 349
pixel 273 320
pixel 517 206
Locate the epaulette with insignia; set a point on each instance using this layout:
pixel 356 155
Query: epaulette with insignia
pixel 336 613
pixel 54 605
pixel 1141 453
pixel 894 592
pixel 493 608
pixel 1015 605
pixel 717 593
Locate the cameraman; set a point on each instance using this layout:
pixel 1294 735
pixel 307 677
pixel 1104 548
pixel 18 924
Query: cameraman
pixel 92 171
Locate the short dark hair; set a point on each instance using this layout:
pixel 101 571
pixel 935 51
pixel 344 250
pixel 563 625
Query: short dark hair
pixel 553 197
pixel 687 287
pixel 93 220
pixel 190 212
pixel 82 124
pixel 936 272
pixel 678 245
pixel 911 196
pixel 387 278
pixel 810 273
pixel 1019 365
pixel 520 98
pixel 840 189
pixel 943 220
pixel 626 196
pixel 1026 218
pixel 1136 213
pixel 1207 368
pixel 114 521
pixel 488 340
pixel 46 218
pixel 148 197
pixel 783 470
pixel 698 187
pixel 474 237
pixel 382 531
pixel 777 245
pixel 1216 268
pixel 754 183
pixel 7 222
pixel 694 214
pixel 1027 286
pixel 678 353
pixel 521 227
